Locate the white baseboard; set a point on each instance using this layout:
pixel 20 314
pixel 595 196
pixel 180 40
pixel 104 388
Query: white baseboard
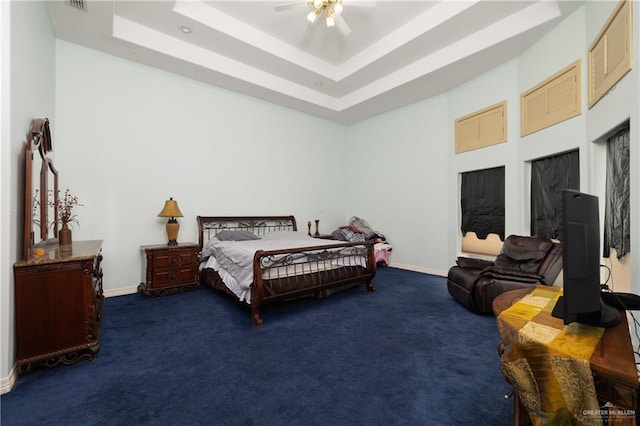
pixel 123 291
pixel 419 269
pixel 6 383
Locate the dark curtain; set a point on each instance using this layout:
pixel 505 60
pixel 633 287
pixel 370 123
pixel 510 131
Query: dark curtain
pixel 617 222
pixel 482 202
pixel 549 176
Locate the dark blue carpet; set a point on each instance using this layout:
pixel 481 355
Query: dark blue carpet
pixel 407 354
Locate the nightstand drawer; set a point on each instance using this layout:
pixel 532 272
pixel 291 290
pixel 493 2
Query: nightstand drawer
pixel 175 276
pixel 173 258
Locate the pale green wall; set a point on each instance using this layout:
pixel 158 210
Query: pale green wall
pixel 7 252
pixel 30 67
pixel 498 85
pixel 620 104
pixel 129 137
pixel 424 227
pixel 396 179
pixel 558 49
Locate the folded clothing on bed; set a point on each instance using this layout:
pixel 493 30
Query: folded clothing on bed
pixel 359 230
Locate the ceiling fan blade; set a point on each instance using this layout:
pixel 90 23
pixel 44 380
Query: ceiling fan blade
pixel 286 6
pixel 341 24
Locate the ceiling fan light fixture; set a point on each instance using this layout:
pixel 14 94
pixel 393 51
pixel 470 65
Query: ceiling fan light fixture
pixel 330 21
pixel 330 10
pixel 311 17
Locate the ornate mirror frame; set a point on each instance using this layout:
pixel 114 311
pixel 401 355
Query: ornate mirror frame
pixel 40 183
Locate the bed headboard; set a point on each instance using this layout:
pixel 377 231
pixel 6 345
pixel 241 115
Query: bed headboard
pixel 209 226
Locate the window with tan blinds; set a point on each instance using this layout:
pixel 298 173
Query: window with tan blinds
pixel 556 99
pixel 482 128
pixel 610 53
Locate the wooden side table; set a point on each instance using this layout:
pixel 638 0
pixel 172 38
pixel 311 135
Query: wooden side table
pixel 169 269
pixel 612 365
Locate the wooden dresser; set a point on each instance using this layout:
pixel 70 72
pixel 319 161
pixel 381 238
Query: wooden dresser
pixel 59 305
pixel 169 268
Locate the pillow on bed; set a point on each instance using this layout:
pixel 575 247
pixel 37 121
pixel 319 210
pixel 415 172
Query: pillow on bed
pixel 236 236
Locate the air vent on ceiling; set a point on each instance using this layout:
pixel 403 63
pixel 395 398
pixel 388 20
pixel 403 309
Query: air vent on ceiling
pixel 78 4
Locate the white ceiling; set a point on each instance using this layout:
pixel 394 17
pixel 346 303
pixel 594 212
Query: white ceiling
pixel 398 52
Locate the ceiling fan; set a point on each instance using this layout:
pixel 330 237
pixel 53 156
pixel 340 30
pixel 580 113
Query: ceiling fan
pixel 330 9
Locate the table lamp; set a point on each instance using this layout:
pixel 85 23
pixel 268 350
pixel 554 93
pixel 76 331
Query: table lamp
pixel 171 210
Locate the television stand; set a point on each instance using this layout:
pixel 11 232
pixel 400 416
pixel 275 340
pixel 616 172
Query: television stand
pixel 606 317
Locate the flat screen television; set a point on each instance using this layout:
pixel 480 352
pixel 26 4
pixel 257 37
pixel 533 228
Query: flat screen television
pixel 581 300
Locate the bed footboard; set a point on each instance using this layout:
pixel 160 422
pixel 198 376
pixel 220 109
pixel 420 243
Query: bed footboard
pixel 289 274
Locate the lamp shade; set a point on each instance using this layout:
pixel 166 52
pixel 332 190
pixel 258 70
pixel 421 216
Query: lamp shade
pixel 170 209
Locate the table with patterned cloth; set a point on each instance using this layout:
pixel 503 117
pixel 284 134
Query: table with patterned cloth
pixel 549 363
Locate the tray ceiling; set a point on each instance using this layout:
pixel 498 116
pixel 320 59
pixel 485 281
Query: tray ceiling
pixel 398 52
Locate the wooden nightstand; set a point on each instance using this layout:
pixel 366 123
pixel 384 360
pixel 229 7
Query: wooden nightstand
pixel 169 269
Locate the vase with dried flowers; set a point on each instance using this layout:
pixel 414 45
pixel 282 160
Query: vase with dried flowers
pixel 65 205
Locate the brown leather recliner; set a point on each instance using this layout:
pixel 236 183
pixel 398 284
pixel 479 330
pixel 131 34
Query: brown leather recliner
pixel 523 262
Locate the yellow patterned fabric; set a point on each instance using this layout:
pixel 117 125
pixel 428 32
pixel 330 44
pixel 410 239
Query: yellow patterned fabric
pixel 547 362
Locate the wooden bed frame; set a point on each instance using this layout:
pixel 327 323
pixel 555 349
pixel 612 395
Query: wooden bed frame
pixel 308 279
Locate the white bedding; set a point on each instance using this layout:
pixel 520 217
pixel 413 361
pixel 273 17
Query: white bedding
pixel 233 260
